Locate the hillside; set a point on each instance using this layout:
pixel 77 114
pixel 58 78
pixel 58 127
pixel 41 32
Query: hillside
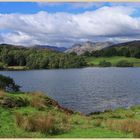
pixel 130 45
pixel 99 47
pixel 128 48
pixel 35 115
pixel 114 60
pixel 88 47
pixel 53 48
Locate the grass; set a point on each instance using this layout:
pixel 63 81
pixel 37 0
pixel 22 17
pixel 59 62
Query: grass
pixel 113 60
pixel 93 133
pixel 17 68
pixel 51 120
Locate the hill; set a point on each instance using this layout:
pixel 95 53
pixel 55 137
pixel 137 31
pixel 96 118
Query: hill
pixel 88 47
pixel 130 45
pixel 54 48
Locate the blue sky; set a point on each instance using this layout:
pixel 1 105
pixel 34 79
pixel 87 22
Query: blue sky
pixel 33 7
pixel 63 24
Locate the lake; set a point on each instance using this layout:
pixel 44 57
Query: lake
pixel 87 89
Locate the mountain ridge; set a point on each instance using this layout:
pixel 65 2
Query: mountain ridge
pixel 88 46
pixel 81 48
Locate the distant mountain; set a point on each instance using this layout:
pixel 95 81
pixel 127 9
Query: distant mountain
pixel 131 45
pixel 88 46
pixel 46 47
pixel 54 48
pixel 10 45
pixel 81 48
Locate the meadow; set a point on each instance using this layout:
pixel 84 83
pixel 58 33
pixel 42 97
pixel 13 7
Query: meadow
pixel 94 61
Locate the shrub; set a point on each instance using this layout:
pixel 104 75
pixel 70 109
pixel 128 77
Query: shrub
pixel 116 116
pixel 19 119
pixel 2 66
pixel 2 93
pixel 38 101
pixel 112 124
pixel 136 130
pixel 130 115
pixel 8 84
pixel 127 126
pixel 104 64
pixel 98 122
pixel 42 123
pixel 124 63
pixel 11 102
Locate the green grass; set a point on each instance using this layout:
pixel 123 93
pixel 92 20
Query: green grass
pixel 8 128
pixel 93 133
pixel 79 126
pixel 114 60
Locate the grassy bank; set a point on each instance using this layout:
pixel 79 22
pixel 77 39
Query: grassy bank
pixel 36 115
pixel 113 60
pixel 17 68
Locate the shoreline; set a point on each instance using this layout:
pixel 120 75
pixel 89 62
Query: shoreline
pixel 28 115
pixel 27 69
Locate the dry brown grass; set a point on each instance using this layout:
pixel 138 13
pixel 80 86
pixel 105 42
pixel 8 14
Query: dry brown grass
pixel 19 118
pixel 38 94
pixel 42 123
pixel 37 100
pixel 126 126
pixel 112 124
pixel 136 130
pixel 2 93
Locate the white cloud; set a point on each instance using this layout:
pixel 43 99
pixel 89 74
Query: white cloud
pixel 63 29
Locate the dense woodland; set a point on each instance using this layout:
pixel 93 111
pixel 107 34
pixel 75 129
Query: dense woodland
pixel 34 58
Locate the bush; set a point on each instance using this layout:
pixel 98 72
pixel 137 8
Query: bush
pixel 8 84
pixel 130 115
pixel 38 101
pixel 2 93
pixel 1 66
pixel 104 64
pixel 98 122
pixel 41 123
pixel 124 63
pixel 19 119
pixel 11 102
pixel 126 126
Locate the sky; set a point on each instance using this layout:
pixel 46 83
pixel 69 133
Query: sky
pixel 64 24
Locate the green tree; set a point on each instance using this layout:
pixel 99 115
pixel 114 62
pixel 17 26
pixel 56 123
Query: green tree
pixel 124 63
pixel 105 64
pixel 8 84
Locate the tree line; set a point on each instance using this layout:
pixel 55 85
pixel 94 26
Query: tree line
pixel 114 51
pixel 34 58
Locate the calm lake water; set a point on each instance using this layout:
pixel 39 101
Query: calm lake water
pixel 85 90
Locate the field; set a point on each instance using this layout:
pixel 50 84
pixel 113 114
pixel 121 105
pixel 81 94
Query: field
pixel 35 115
pixel 113 60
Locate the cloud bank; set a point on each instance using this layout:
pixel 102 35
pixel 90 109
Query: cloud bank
pixel 115 23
